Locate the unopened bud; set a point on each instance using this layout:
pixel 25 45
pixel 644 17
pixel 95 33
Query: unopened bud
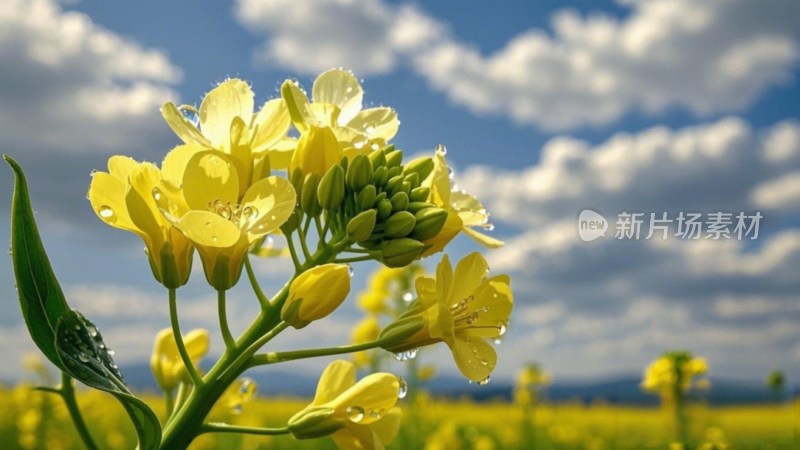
pixel 316 293
pixel 366 198
pixel 381 176
pixel 399 201
pixel 360 227
pixel 429 223
pixel 330 192
pixel 401 252
pixel 399 225
pixel 393 159
pixel 308 196
pixel 419 194
pixel 384 209
pixel 421 166
pixel 359 174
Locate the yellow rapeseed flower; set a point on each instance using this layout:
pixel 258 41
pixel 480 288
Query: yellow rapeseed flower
pixel 462 309
pixel 464 212
pixel 207 210
pixel 166 362
pixel 358 415
pixel 227 123
pixel 316 293
pixel 337 103
pixel 123 198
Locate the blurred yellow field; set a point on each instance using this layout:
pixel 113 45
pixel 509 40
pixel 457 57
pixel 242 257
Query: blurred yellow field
pixel 36 420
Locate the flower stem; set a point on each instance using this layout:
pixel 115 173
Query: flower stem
pixel 276 357
pixel 225 428
pixel 262 298
pixel 169 400
pixel 176 331
pixel 223 321
pixel 293 252
pixel 67 392
pixel 353 259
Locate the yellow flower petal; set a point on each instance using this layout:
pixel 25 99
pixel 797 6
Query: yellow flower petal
pixel 280 154
pixel 444 279
pixel 439 181
pixel 474 357
pixel 240 153
pixel 339 376
pixel 270 125
pixel 469 274
pixel 272 200
pixel 375 392
pixel 317 151
pixel 207 229
pixel 142 206
pixel 485 240
pixel 452 226
pixel 107 196
pixel 325 114
pixel 386 429
pixel 376 123
pixel 339 87
pixel 232 98
pixel 197 343
pixel 176 161
pixel 210 176
pixel 185 129
pixel 494 300
pixel 120 167
pixel 298 106
pixel 357 437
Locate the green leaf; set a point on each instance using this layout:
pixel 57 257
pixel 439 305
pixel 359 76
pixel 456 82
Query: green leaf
pixel 63 335
pixel 85 357
pixel 40 296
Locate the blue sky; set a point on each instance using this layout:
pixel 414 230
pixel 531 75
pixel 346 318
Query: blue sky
pixel 546 108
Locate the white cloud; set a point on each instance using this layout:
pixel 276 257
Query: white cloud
pixel 705 56
pixel 781 193
pixel 70 85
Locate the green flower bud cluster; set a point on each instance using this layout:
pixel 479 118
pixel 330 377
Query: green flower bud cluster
pixel 380 204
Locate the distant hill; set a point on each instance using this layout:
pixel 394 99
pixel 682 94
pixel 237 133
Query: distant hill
pixel 617 390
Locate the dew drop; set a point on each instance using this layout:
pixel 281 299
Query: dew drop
pixel 110 352
pixel 157 194
pixel 484 381
pixel 191 116
pixel 237 409
pixel 441 149
pixel 355 413
pixel 77 328
pixel 501 328
pixel 498 341
pixel 351 271
pixel 402 390
pixel 375 146
pixel 376 413
pixel 269 241
pixel 214 238
pixel 106 212
pixel 489 227
pixel 484 362
pixel 450 173
pixel 92 331
pixel 408 296
pixel 83 358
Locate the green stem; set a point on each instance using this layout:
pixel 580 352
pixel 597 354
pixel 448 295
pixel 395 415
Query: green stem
pixel 318 225
pixel 225 428
pixel 301 234
pixel 293 252
pixel 262 298
pixel 169 400
pixel 67 391
pixel 276 357
pixel 353 259
pixel 176 331
pixel 222 311
pixel 255 346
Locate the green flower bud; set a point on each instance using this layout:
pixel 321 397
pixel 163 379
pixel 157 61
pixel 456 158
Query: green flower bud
pixel 399 201
pixel 315 422
pixel 330 192
pixel 359 174
pixel 366 198
pixel 393 185
pixel 296 178
pixel 412 179
pixel 400 330
pixel 394 171
pixel 384 209
pixel 393 159
pixel 360 227
pixel 405 186
pixel 378 159
pixel 414 207
pixel 308 196
pixel 421 166
pixel 401 252
pixel 291 223
pixel 399 224
pixel 381 176
pixel 419 194
pixel 429 223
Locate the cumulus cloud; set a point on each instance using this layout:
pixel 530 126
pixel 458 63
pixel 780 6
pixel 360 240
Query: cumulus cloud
pixel 69 85
pixel 706 56
pixel 630 299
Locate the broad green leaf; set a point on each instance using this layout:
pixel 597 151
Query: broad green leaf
pixel 40 297
pixel 86 358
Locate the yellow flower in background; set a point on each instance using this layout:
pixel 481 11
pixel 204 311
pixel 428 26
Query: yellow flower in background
pixel 530 380
pixel 123 198
pixel 227 122
pixel 375 297
pixel 367 330
pixel 462 309
pixel 358 415
pixel 166 362
pixel 207 210
pixel 336 103
pixel 464 212
pixel 674 373
pixel 316 293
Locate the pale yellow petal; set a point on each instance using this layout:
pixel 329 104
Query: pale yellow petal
pixel 493 302
pixel 474 357
pixel 107 197
pixel 357 437
pixel 271 201
pixel 469 274
pixel 270 125
pixel 210 176
pixel 317 150
pixel 339 376
pixel 298 105
pixel 197 343
pixel 376 123
pixel 444 279
pixel 325 114
pixel 185 129
pixel 439 181
pixel 207 229
pixel 240 153
pixel 469 208
pixel 341 88
pixel 120 167
pixel 175 162
pixel 386 429
pixel 375 393
pixel 483 239
pixel 232 98
pixel 142 206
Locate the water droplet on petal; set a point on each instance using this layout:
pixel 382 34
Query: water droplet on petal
pixel 450 173
pixel 402 390
pixel 191 116
pixel 408 296
pixel 355 413
pixel 351 271
pixel 484 381
pixel 501 328
pixel 376 413
pixel 106 212
pixel 489 227
pixel 441 149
